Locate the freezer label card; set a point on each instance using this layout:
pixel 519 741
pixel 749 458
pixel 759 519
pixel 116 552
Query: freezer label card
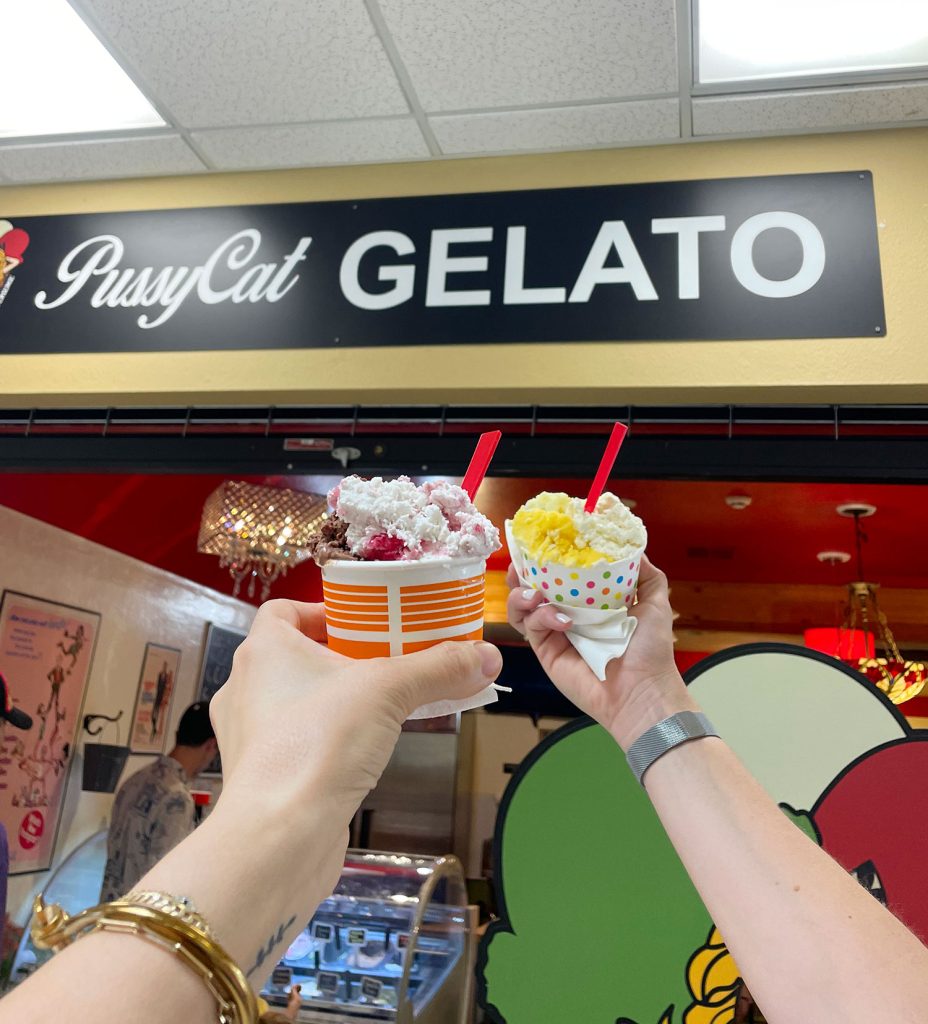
pixel 327 983
pixel 357 936
pixel 281 977
pixel 323 932
pixel 371 988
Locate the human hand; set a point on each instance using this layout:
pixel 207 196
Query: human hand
pixel 293 1002
pixel 641 688
pixel 296 720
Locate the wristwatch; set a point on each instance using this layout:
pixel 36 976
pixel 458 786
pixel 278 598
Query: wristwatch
pixel 656 741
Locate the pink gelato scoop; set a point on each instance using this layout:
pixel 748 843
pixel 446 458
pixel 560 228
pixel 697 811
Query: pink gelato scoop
pixel 397 520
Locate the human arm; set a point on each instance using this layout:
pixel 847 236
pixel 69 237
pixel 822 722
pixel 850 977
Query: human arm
pixel 304 735
pixel 811 943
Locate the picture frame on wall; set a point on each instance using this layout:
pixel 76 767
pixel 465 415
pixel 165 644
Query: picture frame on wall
pixel 46 655
pixel 215 666
pixel 153 699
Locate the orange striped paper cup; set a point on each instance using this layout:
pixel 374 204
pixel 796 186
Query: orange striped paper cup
pixel 384 609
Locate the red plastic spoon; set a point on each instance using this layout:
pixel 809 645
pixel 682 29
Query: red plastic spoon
pixel 480 462
pixel 605 466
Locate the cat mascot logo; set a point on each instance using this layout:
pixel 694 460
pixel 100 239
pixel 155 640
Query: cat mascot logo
pixel 600 924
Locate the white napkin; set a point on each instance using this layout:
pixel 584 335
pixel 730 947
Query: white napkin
pixel 452 707
pixel 598 635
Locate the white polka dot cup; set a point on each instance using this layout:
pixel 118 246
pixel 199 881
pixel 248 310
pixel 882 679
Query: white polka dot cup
pixel 606 586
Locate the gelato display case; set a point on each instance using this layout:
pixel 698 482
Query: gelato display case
pixel 75 885
pixel 395 942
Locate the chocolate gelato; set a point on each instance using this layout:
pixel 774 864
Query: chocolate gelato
pixel 331 542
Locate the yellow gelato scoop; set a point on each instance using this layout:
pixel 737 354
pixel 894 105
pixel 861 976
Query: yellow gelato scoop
pixel 554 528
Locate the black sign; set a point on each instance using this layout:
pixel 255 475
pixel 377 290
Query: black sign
pixel 281 976
pixel 323 932
pixel 777 257
pixel 327 983
pixel 371 988
pixel 215 668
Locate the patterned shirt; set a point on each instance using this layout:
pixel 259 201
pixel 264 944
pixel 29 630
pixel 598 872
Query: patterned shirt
pixel 153 812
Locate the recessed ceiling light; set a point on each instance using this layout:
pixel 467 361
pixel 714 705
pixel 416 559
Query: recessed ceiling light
pixel 60 78
pixel 851 509
pixel 834 557
pixel 741 41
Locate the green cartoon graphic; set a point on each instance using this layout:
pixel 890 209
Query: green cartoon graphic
pixel 600 923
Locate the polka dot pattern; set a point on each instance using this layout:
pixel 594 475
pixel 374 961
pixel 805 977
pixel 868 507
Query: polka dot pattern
pixel 591 587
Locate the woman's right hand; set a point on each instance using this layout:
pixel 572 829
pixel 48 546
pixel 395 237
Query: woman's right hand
pixel 296 721
pixel 641 688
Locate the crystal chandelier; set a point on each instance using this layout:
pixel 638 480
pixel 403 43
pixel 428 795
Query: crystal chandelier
pixel 258 532
pixel 880 660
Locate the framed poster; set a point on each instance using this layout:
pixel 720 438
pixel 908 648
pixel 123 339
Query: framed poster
pixel 153 699
pixel 218 651
pixel 46 650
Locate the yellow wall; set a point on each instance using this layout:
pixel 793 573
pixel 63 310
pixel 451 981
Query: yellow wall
pixel 889 369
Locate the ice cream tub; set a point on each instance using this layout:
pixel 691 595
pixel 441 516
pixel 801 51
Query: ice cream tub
pixel 604 586
pixel 597 598
pixel 385 609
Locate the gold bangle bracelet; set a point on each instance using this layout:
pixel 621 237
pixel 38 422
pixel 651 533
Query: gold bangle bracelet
pixel 170 924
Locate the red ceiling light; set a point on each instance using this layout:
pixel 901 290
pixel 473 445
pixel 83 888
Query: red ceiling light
pixel 844 644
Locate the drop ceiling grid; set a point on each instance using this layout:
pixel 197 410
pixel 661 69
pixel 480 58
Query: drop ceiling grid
pixel 245 85
pixel 486 55
pixel 93 160
pixel 287 61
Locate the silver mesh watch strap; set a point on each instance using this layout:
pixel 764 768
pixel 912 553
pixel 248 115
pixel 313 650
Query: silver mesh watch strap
pixel 679 728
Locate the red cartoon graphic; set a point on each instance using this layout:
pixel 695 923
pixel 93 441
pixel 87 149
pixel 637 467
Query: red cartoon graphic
pixel 13 243
pixel 31 829
pixel 872 821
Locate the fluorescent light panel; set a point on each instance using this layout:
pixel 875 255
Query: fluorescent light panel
pixel 60 78
pixel 752 40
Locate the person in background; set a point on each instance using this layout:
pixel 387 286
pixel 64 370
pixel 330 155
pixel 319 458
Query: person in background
pixel 154 808
pixel 746 1010
pixel 289 1013
pixel 19 720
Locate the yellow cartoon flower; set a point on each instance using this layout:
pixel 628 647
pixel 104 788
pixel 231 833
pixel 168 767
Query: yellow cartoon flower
pixel 713 980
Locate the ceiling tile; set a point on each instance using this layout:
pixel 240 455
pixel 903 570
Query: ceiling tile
pixel 772 112
pixel 115 158
pixel 308 145
pixel 607 124
pixel 242 62
pixel 467 54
